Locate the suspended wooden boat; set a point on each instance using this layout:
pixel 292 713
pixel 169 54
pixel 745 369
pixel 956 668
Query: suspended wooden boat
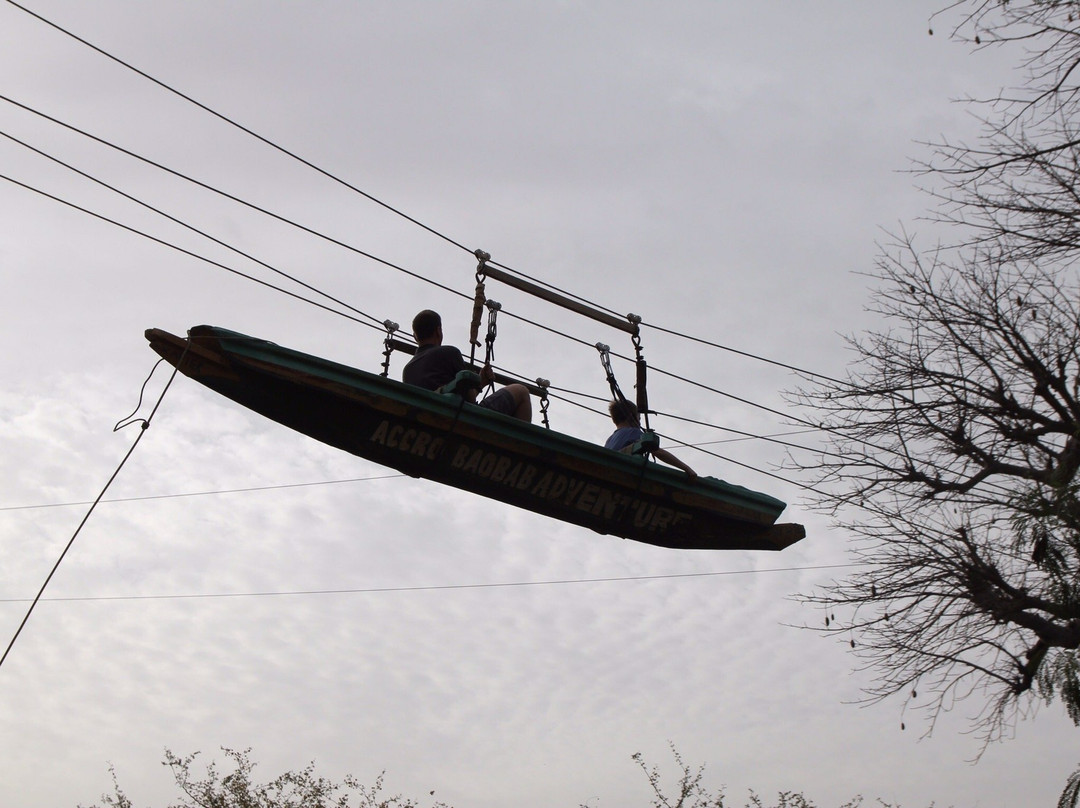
pixel 440 437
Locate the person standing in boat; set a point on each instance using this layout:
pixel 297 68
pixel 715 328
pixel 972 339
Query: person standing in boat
pixel 436 364
pixel 628 431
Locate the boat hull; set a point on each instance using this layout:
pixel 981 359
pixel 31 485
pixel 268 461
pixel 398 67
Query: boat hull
pixel 440 438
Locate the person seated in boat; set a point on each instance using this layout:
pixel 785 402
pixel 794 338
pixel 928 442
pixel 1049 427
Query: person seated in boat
pixel 435 365
pixel 628 431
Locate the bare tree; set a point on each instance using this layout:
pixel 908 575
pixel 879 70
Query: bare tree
pixel 955 451
pixel 1014 192
pixel 955 438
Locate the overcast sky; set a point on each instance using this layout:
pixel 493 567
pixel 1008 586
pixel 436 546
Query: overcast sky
pixel 726 170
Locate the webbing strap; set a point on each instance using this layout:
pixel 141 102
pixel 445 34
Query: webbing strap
pixel 605 361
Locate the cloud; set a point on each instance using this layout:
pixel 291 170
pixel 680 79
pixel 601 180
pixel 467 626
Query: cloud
pixel 720 171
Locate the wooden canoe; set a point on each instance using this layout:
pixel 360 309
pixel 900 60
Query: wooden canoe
pixel 442 438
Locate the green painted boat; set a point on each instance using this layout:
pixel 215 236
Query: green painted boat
pixel 441 437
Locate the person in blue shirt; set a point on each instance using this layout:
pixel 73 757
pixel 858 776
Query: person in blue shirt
pixel 628 431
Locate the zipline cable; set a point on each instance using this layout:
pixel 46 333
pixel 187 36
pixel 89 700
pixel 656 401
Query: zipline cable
pixel 440 587
pixel 698 448
pixel 206 186
pixel 742 434
pixel 746 354
pixel 370 197
pixel 812 426
pixel 669 331
pixel 356 250
pixel 365 254
pixel 292 294
pixel 446 288
pixel 313 232
pixel 192 228
pixel 184 251
pixel 750 435
pixel 239 126
pixel 205 493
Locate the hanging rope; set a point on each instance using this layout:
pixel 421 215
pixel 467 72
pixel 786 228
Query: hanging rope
pixel 123 422
pixel 478 303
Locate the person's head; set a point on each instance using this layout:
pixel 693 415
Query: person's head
pixel 623 412
pixel 426 325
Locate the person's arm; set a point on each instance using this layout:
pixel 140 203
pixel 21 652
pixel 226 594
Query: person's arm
pixel 672 460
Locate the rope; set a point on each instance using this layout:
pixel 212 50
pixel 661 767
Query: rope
pixel 427 280
pixel 479 299
pixel 642 400
pixel 605 352
pixel 751 435
pixel 795 483
pixel 532 278
pixel 123 422
pixel 736 351
pixel 251 489
pixel 444 587
pixel 482 256
pixel 212 189
pixel 187 226
pixel 672 332
pixel 187 252
pixel 242 128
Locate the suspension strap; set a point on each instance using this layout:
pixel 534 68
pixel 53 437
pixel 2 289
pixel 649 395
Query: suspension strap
pixel 544 384
pixel 478 302
pixel 492 331
pixel 642 369
pixel 388 345
pixel 605 361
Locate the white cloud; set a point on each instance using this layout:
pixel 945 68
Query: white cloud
pixel 720 171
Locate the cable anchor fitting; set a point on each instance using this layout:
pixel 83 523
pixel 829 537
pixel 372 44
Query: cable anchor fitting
pixel 388 345
pixel 481 266
pixel 544 384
